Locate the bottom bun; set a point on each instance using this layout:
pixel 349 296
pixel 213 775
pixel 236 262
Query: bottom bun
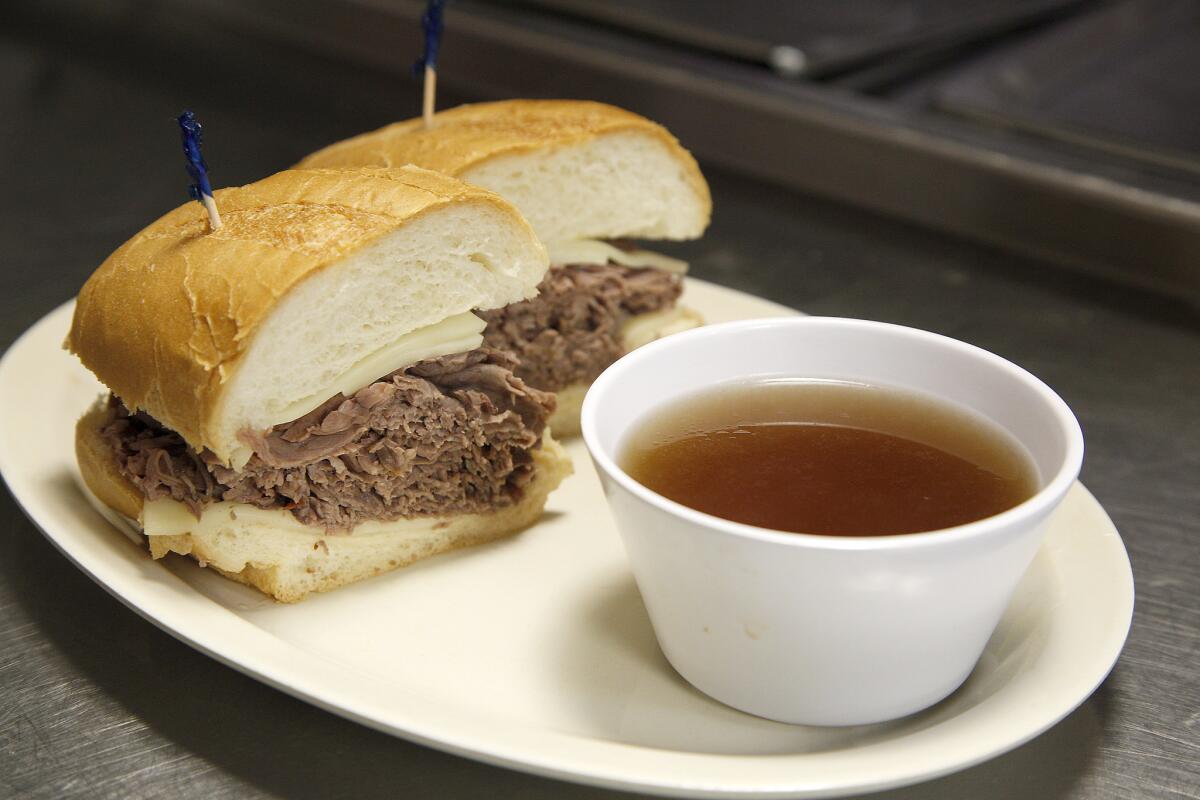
pixel 273 552
pixel 639 330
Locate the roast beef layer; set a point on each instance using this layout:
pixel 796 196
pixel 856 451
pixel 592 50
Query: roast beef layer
pixel 448 435
pixel 571 330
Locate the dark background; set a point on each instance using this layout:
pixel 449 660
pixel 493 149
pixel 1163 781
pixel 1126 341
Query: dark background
pixel 956 167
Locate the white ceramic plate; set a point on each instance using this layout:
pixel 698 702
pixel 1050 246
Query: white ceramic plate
pixel 535 653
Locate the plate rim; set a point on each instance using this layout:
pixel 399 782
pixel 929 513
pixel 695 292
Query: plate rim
pixel 282 665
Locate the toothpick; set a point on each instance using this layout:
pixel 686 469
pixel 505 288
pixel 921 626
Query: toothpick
pixel 200 190
pixel 431 23
pixel 430 93
pixel 214 215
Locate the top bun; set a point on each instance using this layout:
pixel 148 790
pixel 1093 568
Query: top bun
pixel 311 272
pixel 576 169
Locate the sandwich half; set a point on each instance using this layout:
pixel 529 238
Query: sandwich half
pixel 302 398
pixel 590 178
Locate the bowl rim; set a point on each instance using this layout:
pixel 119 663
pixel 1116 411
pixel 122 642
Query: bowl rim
pixel 1039 505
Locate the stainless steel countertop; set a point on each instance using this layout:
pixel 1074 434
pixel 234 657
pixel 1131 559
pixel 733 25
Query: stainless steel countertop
pixel 97 702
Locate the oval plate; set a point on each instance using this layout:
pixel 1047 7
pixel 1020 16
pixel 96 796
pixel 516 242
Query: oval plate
pixel 535 653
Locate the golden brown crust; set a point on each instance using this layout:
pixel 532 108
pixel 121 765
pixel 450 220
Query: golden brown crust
pixel 166 317
pixel 468 135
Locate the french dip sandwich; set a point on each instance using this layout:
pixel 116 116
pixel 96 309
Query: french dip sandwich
pixel 589 177
pixel 302 398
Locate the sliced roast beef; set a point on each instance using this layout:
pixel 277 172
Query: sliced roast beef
pixel 571 330
pixel 447 435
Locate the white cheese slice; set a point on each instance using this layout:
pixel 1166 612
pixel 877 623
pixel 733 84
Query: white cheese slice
pixel 594 251
pixel 167 517
pixel 456 334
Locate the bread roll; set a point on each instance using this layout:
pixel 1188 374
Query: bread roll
pixel 579 171
pixel 576 169
pixel 312 272
pixel 318 283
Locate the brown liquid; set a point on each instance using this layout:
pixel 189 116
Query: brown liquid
pixel 829 458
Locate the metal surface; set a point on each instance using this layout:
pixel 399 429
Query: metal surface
pixel 95 702
pixel 1109 217
pixel 1122 80
pixel 832 37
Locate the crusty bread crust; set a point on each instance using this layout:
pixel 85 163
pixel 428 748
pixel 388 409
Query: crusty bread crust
pixel 166 318
pixel 290 564
pixel 469 135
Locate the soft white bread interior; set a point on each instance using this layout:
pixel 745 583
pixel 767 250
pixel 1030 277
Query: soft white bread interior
pixel 314 273
pixel 271 551
pixel 636 331
pixel 575 169
pixel 624 184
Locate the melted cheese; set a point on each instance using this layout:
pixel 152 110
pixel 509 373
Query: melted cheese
pixel 594 251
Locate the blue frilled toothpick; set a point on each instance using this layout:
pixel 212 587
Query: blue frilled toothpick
pixel 431 23
pixel 200 190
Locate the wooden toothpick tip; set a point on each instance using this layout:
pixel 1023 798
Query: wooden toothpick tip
pixel 214 216
pixel 427 109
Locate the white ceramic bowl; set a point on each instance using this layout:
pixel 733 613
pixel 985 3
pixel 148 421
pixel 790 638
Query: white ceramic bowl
pixel 826 630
